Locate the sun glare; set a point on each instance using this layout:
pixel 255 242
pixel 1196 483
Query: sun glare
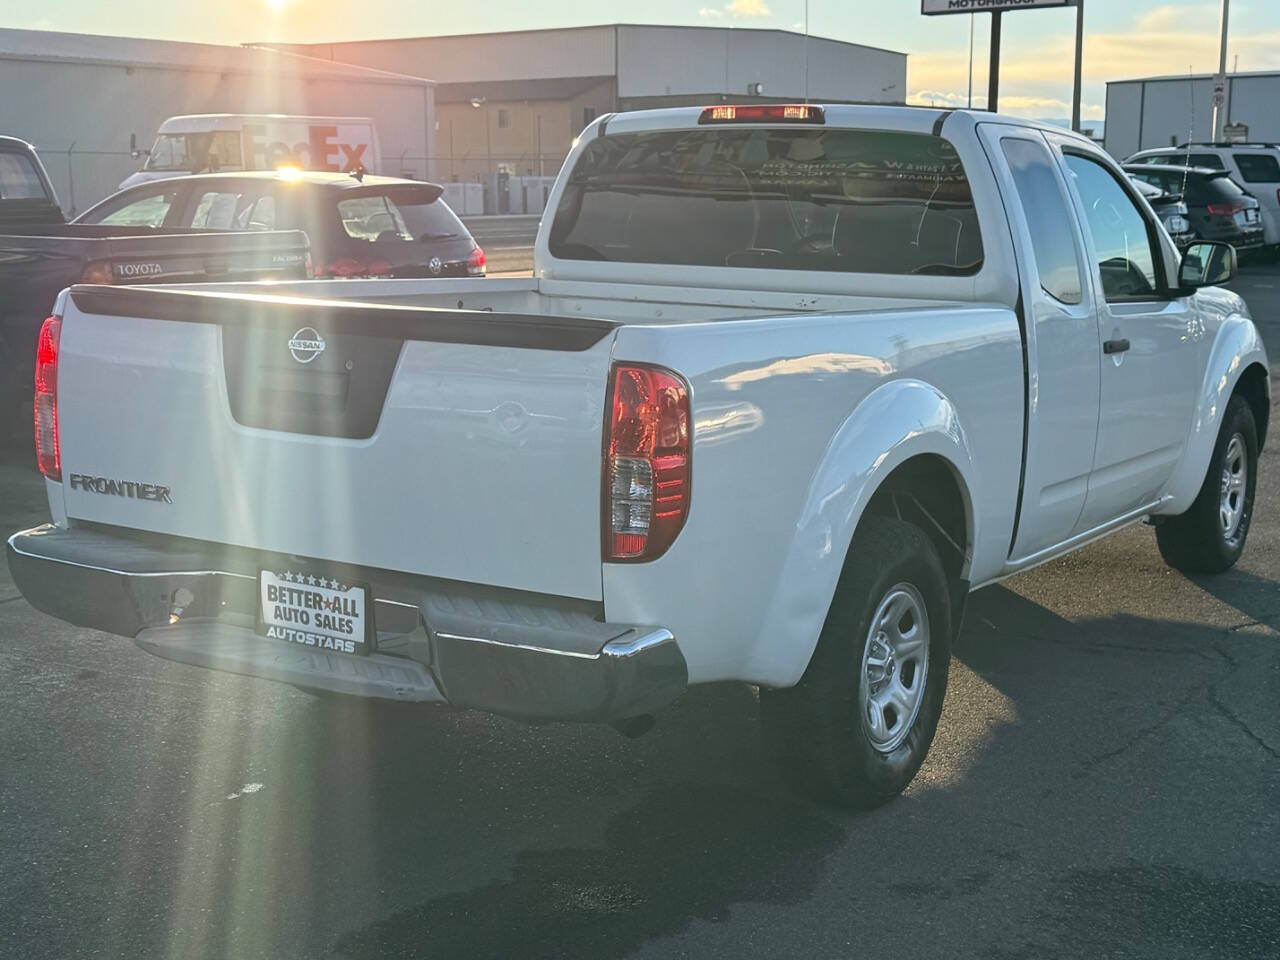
pixel 277 6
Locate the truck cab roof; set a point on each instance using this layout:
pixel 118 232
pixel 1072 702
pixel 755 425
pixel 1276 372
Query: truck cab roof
pixel 27 196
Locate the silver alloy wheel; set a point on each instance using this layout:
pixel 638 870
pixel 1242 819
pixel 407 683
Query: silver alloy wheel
pixel 895 666
pixel 1234 486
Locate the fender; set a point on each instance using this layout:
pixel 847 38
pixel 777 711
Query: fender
pixel 1236 347
pixel 895 422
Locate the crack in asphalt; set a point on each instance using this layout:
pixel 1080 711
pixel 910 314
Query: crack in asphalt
pixel 1243 727
pixel 1089 764
pixel 1208 687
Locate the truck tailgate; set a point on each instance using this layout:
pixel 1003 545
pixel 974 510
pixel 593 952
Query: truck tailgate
pixel 456 444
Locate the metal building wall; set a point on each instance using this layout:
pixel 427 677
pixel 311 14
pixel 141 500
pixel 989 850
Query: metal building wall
pixel 681 61
pixel 79 115
pixel 1158 112
pixel 481 57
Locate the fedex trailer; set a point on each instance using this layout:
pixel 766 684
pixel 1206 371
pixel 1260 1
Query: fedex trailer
pixel 211 142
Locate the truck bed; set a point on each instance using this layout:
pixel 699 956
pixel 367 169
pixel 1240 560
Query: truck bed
pixel 453 429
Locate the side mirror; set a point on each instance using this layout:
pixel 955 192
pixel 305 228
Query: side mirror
pixel 1207 264
pixel 133 148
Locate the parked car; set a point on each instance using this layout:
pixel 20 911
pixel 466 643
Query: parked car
pixel 40 254
pixel 1172 211
pixel 208 143
pixel 359 226
pixel 1255 166
pixel 788 382
pixel 1217 206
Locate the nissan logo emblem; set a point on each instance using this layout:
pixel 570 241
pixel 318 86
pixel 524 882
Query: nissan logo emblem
pixel 306 345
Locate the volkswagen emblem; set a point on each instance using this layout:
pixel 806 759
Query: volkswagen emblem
pixel 435 265
pixel 306 345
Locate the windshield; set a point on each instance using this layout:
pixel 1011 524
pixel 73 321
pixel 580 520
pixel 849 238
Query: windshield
pixel 812 199
pixel 399 216
pixel 169 153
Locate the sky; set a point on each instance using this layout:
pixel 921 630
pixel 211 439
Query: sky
pixel 1123 38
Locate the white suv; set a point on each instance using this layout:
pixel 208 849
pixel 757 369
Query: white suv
pixel 1255 166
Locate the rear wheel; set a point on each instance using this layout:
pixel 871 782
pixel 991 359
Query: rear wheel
pixel 1210 536
pixel 858 725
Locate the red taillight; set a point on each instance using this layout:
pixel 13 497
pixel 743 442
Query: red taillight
pixel 353 267
pixel 48 453
pixel 647 461
pixel 475 262
pixel 764 113
pixel 1225 209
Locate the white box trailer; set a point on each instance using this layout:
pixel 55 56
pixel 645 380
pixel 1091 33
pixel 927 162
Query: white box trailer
pixel 226 141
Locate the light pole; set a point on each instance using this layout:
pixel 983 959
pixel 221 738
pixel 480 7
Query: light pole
pixel 972 17
pixel 1220 81
pixel 490 187
pixel 1075 91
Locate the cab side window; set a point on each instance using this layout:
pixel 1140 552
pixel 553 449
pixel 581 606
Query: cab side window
pixel 1052 239
pixel 1121 235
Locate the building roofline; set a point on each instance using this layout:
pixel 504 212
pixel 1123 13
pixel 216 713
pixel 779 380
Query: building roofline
pixel 296 62
pixel 590 26
pixel 1195 76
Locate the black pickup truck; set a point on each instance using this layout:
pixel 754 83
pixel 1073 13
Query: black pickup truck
pixel 40 254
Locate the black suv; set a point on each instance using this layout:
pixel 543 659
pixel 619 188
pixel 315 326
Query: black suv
pixel 359 226
pixel 1217 206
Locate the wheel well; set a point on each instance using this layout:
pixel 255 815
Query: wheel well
pixel 1252 385
pixel 926 491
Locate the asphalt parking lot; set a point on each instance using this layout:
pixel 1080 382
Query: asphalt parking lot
pixel 1105 783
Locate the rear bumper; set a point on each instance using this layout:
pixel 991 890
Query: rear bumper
pixel 505 652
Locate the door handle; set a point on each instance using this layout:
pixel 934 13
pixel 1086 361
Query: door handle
pixel 1114 346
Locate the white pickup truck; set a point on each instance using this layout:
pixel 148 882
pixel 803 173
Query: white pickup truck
pixel 788 382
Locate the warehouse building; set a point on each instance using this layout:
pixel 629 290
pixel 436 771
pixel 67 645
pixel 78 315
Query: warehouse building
pixel 1164 111
pixel 80 98
pixel 511 103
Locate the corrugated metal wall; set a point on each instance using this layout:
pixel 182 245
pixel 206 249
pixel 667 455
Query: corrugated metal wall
pixel 1142 114
pixel 676 61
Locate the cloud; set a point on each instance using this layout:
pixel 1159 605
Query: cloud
pixel 1037 82
pixel 738 9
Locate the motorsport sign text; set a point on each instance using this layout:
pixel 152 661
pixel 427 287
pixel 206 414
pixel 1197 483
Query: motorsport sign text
pixel 313 611
pixel 931 7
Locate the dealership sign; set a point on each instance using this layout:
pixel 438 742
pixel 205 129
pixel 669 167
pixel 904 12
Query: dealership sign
pixel 931 7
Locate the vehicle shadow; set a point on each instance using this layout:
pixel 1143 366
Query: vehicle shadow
pixel 1042 710
pixel 1257 598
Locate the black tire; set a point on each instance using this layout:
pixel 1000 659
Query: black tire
pixel 821 733
pixel 1197 541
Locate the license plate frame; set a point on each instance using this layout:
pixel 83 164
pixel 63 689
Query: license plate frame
pixel 321 628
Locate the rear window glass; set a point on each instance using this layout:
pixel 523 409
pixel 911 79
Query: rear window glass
pixel 812 199
pixel 1183 159
pixel 1212 189
pixel 406 216
pixel 19 179
pixel 1258 167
